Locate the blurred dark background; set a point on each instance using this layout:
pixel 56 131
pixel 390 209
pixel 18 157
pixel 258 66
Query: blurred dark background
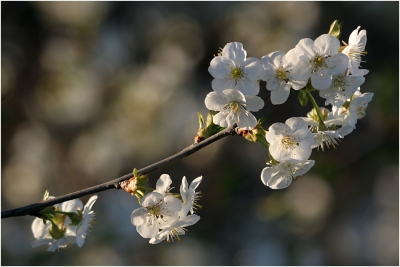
pixel 91 90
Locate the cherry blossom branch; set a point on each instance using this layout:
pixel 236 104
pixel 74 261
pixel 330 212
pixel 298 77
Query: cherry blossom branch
pixel 32 209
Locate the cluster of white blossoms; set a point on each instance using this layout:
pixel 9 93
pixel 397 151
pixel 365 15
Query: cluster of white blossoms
pixel 164 215
pixel 64 224
pixel 322 65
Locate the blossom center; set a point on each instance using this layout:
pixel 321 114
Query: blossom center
pixel 317 63
pixel 361 110
pixel 289 141
pixel 281 74
pixel 155 211
pixel 339 83
pixel 290 170
pixel 237 73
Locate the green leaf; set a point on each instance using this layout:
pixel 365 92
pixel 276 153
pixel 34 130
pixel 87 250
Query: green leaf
pixel 303 99
pixel 336 29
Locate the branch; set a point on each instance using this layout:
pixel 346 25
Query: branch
pixel 32 209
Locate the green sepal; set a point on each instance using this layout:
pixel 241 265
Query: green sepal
pixel 336 29
pixel 201 120
pixel 303 98
pixel 210 128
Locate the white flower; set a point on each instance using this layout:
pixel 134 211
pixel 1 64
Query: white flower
pixel 174 229
pixel 60 234
pixel 277 73
pixel 189 196
pixel 319 60
pixel 342 88
pixel 355 111
pixel 231 69
pixel 234 107
pixel 291 140
pixel 354 50
pixel 335 125
pixel 87 216
pixel 280 176
pixel 156 212
pixel 326 138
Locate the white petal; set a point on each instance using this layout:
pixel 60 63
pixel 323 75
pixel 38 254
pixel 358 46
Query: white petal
pixel 219 85
pixel 220 119
pixel 171 204
pixel 273 178
pixel 326 44
pixel 235 52
pixel 248 87
pixel 216 101
pixel 163 184
pixel 220 67
pixel 71 205
pixel 184 189
pixel 195 183
pixel 254 103
pixel 39 229
pixel 338 63
pixel 148 230
pixel 321 79
pixel 40 242
pixel 189 220
pixel 304 49
pixel 273 84
pixel 280 96
pixel 89 205
pixel 247 122
pixel 234 95
pixel 252 68
pixel 301 72
pixel 152 199
pixel 138 216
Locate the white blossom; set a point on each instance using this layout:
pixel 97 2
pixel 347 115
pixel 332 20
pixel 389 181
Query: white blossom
pixel 189 196
pixel 291 140
pixel 327 139
pixel 156 212
pixel 319 60
pixel 234 107
pixel 231 69
pixel 342 88
pixel 87 217
pixel 354 50
pixel 277 73
pixel 60 234
pixel 175 229
pixel 281 175
pixel 356 109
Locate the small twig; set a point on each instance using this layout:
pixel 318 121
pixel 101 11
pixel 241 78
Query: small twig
pixel 32 209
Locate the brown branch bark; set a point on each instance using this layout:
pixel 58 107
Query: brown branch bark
pixel 32 209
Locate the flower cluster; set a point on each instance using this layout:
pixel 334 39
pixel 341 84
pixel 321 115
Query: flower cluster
pixel 64 224
pixel 164 215
pixel 321 65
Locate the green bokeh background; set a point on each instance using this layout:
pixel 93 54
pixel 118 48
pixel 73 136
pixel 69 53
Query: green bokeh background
pixel 91 90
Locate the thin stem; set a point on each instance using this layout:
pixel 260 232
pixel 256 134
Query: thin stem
pixel 32 209
pixel 321 124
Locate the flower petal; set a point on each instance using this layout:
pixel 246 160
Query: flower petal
pixel 235 52
pixel 152 199
pixel 219 85
pixel 138 216
pixel 163 184
pixel 220 67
